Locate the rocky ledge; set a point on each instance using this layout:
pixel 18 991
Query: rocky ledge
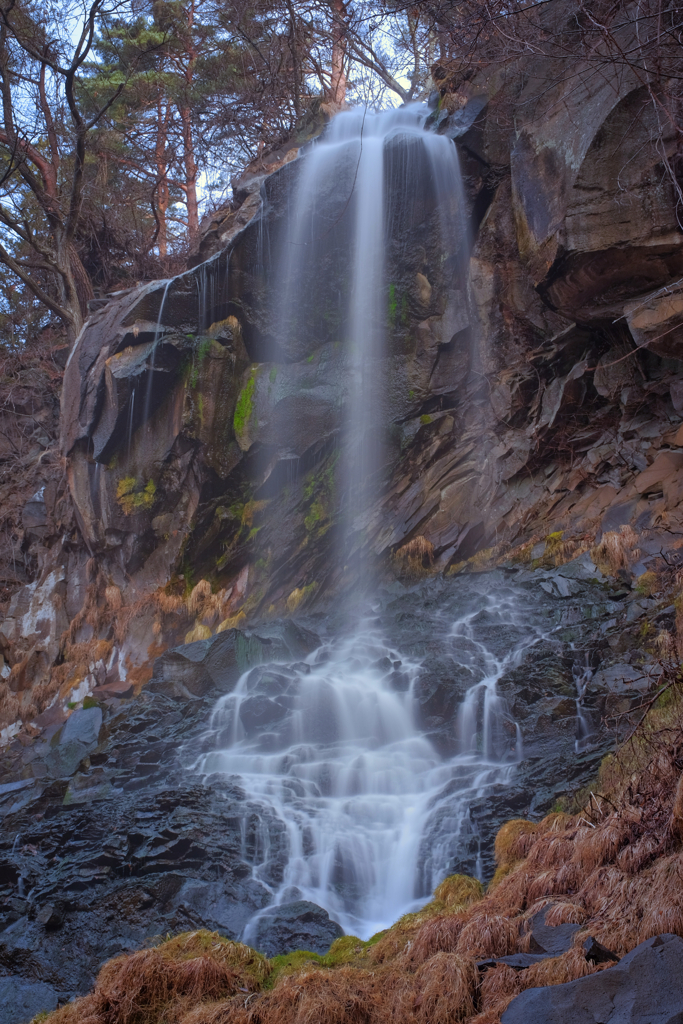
pixel 111 837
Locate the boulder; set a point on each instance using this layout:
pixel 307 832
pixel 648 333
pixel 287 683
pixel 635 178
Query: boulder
pixel 645 987
pixel 83 725
pixel 194 669
pixel 291 926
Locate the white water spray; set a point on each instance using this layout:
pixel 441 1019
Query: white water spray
pixel 373 816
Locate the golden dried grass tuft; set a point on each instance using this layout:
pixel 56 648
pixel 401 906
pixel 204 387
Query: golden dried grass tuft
pixel 616 550
pixel 459 891
pixel 246 961
pixel 440 935
pixel 415 556
pixel 198 632
pixel 514 840
pixel 565 913
pixel 162 983
pixel 113 597
pixel 394 941
pixel 446 985
pixel 487 934
pixel 169 604
pixel 198 595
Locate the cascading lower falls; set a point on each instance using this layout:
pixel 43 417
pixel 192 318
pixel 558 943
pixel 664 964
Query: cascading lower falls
pixel 372 816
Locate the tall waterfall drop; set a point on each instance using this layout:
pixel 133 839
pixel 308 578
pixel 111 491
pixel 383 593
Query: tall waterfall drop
pixel 369 814
pixel 349 229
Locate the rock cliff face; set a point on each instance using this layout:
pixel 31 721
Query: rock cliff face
pixel 546 399
pixel 535 408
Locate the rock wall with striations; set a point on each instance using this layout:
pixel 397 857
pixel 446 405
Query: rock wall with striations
pixel 541 400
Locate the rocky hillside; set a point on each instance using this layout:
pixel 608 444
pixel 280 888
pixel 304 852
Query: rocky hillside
pixel 583 917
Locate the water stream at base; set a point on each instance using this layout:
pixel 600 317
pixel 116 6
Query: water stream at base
pixel 373 815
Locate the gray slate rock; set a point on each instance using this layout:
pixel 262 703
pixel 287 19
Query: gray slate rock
pixel 298 925
pixel 83 725
pixel 554 940
pixel 646 987
pixel 63 760
pixel 195 669
pixel 596 953
pixel 518 961
pixel 21 1000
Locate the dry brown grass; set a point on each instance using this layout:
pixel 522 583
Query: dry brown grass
pixel 112 596
pixel 677 811
pixel 499 983
pixel 617 549
pixel 445 984
pixel 565 913
pixel 415 556
pixel 344 996
pixel 440 935
pixel 514 840
pixel 458 891
pixel 488 935
pixel 165 982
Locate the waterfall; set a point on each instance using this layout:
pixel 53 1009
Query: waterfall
pixel 345 237
pixel 371 814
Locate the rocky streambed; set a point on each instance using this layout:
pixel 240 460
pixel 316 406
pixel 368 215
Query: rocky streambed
pixel 112 833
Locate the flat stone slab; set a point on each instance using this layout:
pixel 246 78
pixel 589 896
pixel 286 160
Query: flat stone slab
pixel 518 961
pixel 645 987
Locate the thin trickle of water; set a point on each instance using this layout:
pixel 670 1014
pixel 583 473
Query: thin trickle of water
pixel 582 673
pixel 131 421
pixel 372 815
pixel 17 840
pixel 152 356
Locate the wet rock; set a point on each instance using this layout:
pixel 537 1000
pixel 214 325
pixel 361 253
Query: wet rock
pixel 646 985
pixel 291 926
pixel 63 760
pixel 51 915
pixel 259 712
pixel 21 1000
pixel 194 669
pixel 82 726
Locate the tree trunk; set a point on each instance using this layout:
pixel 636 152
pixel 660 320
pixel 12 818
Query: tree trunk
pixel 162 194
pixel 190 187
pixel 338 77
